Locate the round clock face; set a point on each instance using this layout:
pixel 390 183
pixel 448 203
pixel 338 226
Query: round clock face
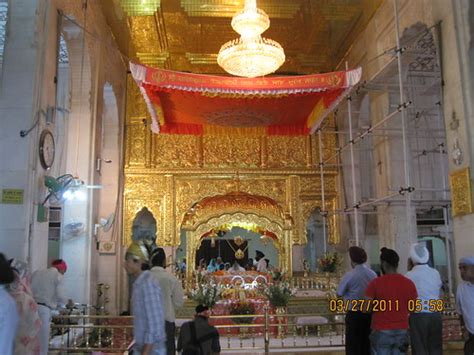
pixel 46 149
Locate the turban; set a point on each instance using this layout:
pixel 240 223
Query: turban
pixel 419 254
pixel 259 253
pixel 390 256
pixel 467 260
pixel 59 264
pixel 201 308
pixel 138 250
pixel 357 255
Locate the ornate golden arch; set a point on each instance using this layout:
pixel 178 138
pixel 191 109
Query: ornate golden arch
pixel 219 210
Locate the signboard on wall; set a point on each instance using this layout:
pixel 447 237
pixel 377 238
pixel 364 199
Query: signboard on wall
pixel 12 196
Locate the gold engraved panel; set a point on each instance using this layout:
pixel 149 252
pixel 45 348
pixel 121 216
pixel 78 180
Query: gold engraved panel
pixel 310 185
pixel 286 152
pixel 136 141
pixel 273 188
pixel 175 151
pixel 461 193
pixel 231 151
pixel 144 34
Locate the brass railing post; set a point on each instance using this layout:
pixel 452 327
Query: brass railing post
pixel 266 334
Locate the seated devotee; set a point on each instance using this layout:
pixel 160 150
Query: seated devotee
pixel 212 267
pixel 202 268
pixel 250 265
pixel 48 293
pixel 9 317
pixel 236 268
pixel 352 288
pixel 465 302
pixel 261 264
pixel 198 336
pixel 219 263
pixel 182 266
pixel 226 266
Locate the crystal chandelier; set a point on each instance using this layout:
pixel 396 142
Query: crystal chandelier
pixel 251 55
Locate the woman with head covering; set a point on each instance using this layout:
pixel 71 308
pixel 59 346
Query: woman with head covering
pixel 212 266
pixel 8 312
pixel 27 336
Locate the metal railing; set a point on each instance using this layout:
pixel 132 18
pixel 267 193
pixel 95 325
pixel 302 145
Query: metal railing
pixel 259 332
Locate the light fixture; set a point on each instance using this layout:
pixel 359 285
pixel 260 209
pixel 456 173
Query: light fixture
pixel 251 55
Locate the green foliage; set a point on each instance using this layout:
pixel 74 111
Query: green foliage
pixel 278 294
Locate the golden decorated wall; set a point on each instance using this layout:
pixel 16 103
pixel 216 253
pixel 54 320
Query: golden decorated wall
pixel 168 174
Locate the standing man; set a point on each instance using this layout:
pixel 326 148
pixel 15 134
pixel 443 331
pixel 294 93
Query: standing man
pixel 199 335
pixel 426 327
pixel 172 295
pixel 147 307
pixel 465 302
pixel 261 263
pixel 46 286
pixel 352 288
pixel 392 291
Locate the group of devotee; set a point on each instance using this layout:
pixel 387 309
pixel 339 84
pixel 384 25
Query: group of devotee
pixel 259 264
pixel 388 313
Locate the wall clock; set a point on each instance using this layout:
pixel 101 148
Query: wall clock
pixel 46 149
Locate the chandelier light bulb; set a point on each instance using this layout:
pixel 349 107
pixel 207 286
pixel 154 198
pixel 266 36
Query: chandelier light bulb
pixel 251 55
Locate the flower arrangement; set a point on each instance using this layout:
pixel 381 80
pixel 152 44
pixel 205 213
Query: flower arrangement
pixel 278 294
pixel 242 308
pixel 329 262
pixel 206 294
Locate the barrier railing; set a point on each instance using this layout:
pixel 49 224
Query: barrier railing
pixel 264 332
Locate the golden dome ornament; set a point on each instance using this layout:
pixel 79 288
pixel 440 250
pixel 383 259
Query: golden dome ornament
pixel 239 254
pixel 238 240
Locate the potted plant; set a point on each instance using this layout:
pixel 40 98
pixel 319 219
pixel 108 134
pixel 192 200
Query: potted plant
pixel 278 294
pixel 206 294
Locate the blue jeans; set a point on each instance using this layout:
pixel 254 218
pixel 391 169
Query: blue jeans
pixel 389 342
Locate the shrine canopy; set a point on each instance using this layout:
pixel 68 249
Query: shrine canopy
pixel 184 103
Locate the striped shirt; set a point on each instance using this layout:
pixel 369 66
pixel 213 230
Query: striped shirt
pixel 147 309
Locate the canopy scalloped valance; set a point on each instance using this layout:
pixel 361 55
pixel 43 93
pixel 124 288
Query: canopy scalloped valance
pixel 184 103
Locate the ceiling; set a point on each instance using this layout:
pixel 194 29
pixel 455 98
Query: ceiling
pixel 186 35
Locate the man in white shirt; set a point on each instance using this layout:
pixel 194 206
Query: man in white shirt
pixel 47 292
pixel 261 263
pixel 172 295
pixel 426 326
pixel 8 312
pixel 465 302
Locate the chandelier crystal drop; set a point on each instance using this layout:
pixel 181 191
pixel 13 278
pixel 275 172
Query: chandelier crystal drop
pixel 251 55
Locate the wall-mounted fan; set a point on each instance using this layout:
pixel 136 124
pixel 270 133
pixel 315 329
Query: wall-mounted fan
pixel 74 229
pixel 66 187
pixel 105 223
